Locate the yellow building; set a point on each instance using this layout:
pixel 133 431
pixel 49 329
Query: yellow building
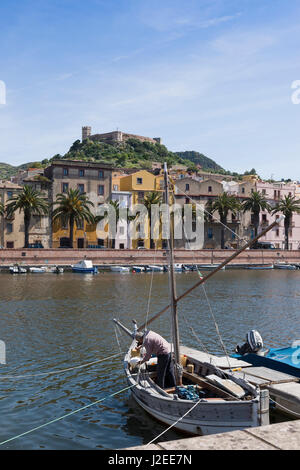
pixel 140 184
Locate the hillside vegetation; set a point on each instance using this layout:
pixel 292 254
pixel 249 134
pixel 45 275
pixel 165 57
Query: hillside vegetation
pixel 130 154
pixel 133 154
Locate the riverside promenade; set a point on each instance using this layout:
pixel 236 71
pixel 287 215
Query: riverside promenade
pixel 66 257
pixel 279 436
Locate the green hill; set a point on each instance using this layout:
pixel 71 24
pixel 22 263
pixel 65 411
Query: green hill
pixel 200 159
pixel 130 154
pixel 7 171
pixel 133 154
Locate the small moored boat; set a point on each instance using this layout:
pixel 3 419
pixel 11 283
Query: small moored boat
pixel 84 266
pixel 37 269
pixel 16 269
pixel 284 265
pixel 119 269
pixel 138 269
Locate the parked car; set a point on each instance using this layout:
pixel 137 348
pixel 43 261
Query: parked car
pixel 264 246
pixel 35 245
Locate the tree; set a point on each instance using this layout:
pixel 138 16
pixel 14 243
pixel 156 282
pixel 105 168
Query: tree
pixel 223 204
pixel 1 209
pixel 73 207
pixel 256 203
pixel 287 206
pixel 29 201
pixel 153 198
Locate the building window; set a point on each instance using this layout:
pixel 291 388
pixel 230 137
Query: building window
pixel 121 246
pixel 9 228
pixel 209 189
pixel 81 188
pixel 187 187
pixel 9 244
pixel 139 181
pixel 264 192
pixel 81 173
pixel 65 187
pixel 100 174
pixel 264 217
pixel 210 233
pixel 243 190
pixel 100 190
pixel 65 171
pixel 277 232
pixel 121 230
pixel 115 187
pixel 9 194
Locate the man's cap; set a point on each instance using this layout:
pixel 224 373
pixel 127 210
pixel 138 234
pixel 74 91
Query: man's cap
pixel 139 335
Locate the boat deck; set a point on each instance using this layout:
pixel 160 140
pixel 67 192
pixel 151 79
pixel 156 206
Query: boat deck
pixel 284 388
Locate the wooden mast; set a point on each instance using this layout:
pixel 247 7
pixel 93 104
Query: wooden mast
pixel 172 284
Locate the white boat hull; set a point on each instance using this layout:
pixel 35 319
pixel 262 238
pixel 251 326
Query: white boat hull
pixel 205 419
pixel 119 269
pixel 209 416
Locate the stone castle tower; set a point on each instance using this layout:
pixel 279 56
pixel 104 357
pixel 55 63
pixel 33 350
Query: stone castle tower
pixel 86 132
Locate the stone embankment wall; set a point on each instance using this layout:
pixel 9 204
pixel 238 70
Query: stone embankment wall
pixel 143 257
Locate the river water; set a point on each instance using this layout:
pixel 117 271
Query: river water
pixel 53 322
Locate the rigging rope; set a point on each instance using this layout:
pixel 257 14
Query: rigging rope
pixel 58 371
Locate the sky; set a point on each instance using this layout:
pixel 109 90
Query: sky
pixel 214 76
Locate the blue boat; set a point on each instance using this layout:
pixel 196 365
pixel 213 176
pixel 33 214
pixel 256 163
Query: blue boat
pixel 286 360
pixel 85 266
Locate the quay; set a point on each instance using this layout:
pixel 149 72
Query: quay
pixel 278 436
pixel 99 257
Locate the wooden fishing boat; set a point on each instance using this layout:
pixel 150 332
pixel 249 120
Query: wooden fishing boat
pixel 206 398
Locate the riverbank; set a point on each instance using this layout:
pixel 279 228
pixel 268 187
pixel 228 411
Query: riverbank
pixel 65 257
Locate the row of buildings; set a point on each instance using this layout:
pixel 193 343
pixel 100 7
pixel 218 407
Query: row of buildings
pixel 102 184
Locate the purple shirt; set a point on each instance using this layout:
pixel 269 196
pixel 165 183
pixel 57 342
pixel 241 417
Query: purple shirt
pixel 155 344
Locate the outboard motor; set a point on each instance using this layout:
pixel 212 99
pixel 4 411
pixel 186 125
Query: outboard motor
pixel 254 343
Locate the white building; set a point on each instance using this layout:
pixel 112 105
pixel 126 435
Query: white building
pixel 122 240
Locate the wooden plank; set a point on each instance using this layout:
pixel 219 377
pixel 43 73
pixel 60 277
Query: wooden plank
pixel 218 361
pixel 205 384
pixel 270 375
pixel 257 381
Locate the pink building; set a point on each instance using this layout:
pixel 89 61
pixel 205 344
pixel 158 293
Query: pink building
pixel 273 192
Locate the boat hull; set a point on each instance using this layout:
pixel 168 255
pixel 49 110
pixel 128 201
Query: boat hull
pixel 84 271
pixel 206 418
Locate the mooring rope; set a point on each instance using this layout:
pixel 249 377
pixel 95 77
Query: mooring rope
pixel 65 416
pixel 174 424
pixel 40 374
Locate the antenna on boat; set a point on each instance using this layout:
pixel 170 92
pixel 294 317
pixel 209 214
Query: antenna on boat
pixel 172 284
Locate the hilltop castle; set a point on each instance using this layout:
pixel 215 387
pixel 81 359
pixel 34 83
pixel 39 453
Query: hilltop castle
pixel 115 136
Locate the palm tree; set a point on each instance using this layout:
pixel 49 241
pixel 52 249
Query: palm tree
pixel 256 203
pixel 153 198
pixel 223 204
pixel 73 207
pixel 287 206
pixel 1 209
pixel 29 201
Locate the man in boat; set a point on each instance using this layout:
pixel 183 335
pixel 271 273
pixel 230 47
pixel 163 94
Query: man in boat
pixel 157 345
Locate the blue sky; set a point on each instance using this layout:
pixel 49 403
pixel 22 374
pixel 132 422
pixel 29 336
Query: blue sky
pixel 208 75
